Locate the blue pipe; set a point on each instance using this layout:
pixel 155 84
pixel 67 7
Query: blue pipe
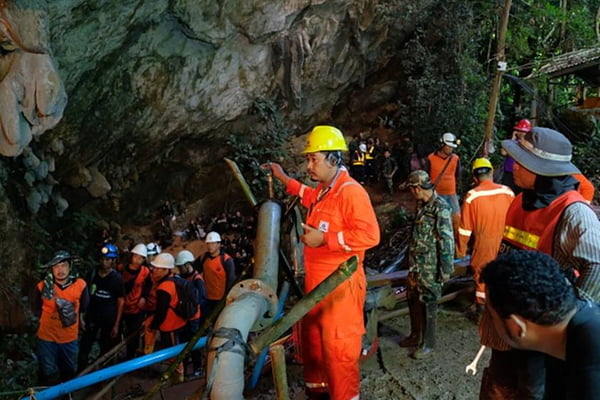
pixel 260 360
pixel 112 371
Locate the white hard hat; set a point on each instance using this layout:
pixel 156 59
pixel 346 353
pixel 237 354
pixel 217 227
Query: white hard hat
pixel 140 249
pixel 163 260
pixel 213 237
pixel 363 147
pixel 183 257
pixel 152 249
pixel 450 140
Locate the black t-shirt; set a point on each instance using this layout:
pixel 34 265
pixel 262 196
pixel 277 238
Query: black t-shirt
pixel 578 377
pixel 104 292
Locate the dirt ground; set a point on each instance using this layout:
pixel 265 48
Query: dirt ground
pixel 392 374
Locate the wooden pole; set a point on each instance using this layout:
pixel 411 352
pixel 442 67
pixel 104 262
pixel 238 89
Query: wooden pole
pixel 500 68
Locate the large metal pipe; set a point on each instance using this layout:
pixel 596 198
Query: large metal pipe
pixel 251 305
pixel 110 372
pixel 266 260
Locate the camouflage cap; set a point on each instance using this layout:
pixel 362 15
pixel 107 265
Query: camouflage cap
pixel 417 178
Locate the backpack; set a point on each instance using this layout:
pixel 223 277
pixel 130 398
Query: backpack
pixel 188 298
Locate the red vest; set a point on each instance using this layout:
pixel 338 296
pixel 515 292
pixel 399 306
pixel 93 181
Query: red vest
pixel 51 329
pixel 534 230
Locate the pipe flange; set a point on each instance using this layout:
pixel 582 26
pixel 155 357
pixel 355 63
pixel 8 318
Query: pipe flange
pixel 259 287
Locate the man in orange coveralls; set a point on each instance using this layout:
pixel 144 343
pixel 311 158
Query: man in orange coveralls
pixel 340 223
pixel 482 220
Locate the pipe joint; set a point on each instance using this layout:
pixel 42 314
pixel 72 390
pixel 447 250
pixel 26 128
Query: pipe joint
pixel 256 286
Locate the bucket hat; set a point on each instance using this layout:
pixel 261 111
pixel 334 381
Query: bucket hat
pixel 543 151
pixel 59 256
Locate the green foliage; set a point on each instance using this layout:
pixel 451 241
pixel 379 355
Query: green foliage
pixel 267 143
pixel 17 361
pixel 585 154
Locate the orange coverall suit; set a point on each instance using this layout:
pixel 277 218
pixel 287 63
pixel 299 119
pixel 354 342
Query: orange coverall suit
pixel 332 331
pixel 483 215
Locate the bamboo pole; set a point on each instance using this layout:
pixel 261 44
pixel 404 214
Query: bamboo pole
pixel 277 353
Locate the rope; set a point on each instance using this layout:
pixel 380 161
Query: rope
pixel 234 338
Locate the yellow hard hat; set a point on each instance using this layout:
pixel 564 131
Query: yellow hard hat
pixel 481 163
pixel 325 138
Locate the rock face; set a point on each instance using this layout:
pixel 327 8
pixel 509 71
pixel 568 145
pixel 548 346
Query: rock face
pixel 171 81
pixel 32 95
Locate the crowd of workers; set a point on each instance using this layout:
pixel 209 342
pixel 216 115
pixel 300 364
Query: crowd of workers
pixel 131 294
pixel 536 303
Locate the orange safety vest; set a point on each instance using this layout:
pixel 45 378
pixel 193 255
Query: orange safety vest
pixel 215 276
pixel 447 183
pixel 132 298
pixel 534 230
pixel 51 328
pixel 172 321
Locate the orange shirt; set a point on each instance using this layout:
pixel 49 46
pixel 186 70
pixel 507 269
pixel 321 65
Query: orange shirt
pixel 447 183
pixel 51 328
pixel 483 216
pixel 215 277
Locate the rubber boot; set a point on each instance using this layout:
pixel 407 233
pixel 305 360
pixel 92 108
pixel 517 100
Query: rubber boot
pixel 416 323
pixel 428 343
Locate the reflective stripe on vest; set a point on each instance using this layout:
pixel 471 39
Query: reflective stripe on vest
pixel 360 160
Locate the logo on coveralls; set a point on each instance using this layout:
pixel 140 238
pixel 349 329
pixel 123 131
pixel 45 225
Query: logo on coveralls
pixel 324 226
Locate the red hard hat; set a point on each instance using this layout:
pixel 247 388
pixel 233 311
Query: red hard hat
pixel 523 125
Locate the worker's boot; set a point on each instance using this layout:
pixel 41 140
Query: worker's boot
pixel 416 312
pixel 426 347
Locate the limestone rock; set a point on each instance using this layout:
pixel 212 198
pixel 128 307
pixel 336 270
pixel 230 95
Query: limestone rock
pixel 98 186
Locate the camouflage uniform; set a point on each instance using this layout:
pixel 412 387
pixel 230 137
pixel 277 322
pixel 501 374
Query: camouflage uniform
pixel 431 249
pixel 430 262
